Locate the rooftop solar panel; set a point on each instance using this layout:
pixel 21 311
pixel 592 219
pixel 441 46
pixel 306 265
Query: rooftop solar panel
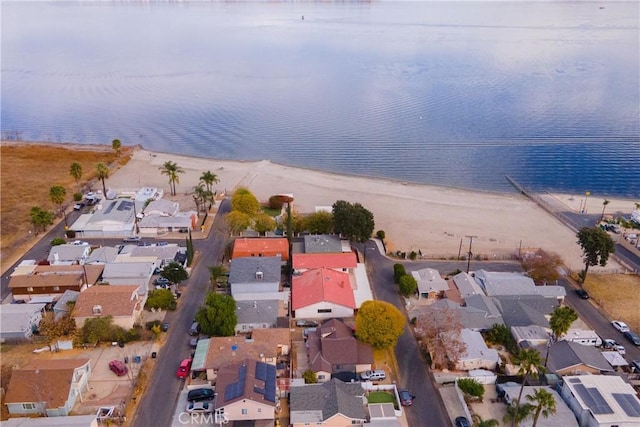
pixel 574 380
pixel 593 399
pixel 235 389
pixel 261 371
pixel 629 403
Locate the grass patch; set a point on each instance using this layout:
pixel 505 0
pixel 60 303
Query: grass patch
pixel 618 295
pixel 381 397
pixel 28 171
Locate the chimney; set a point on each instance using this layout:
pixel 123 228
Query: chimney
pixel 97 309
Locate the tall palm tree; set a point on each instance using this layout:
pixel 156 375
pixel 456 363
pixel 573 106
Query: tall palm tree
pixel 57 194
pixel 102 172
pixel 117 146
pixel 171 169
pixel 561 320
pixel 543 404
pixel 199 196
pixel 604 205
pixel 76 173
pixel 530 364
pixel 517 413
pixel 209 179
pixel 479 422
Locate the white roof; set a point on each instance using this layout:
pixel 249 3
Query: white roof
pixel 68 252
pixel 127 270
pixel 607 397
pixel 563 416
pixel 69 421
pixel 429 280
pixel 506 283
pixel 162 207
pixel 614 358
pixel 477 349
pixel 466 285
pixel 16 317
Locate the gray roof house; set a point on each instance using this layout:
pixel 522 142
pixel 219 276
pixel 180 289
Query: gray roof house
pixel 562 417
pixel 255 275
pixel 111 218
pixel 570 358
pixel 61 306
pixel 526 310
pixel 503 283
pixel 19 321
pixel 68 254
pixel 467 285
pixel 342 403
pixel 477 354
pixel 479 314
pixel 257 314
pixel 430 283
pixel 322 244
pixel 129 273
pixel 103 255
pixel 162 207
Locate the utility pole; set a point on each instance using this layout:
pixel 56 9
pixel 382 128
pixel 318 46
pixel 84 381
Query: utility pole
pixel 470 254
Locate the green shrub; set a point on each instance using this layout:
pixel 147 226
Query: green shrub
pixel 309 377
pixel 501 335
pixel 413 255
pixel 161 298
pixel 380 234
pixel 149 325
pixel 77 197
pixel 471 387
pixel 408 285
pixel 398 272
pixel 58 241
pixel 70 234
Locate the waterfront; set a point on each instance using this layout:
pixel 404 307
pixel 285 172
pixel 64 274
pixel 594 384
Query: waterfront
pixel 451 93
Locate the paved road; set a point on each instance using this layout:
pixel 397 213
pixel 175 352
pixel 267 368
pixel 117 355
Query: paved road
pixel 158 403
pixel 597 320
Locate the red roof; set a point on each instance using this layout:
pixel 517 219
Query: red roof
pixel 261 246
pixel 309 261
pixel 322 285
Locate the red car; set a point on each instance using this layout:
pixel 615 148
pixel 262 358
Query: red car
pixel 118 368
pixel 184 368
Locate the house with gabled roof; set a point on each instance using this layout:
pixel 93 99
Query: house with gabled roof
pixel 333 348
pixel 261 247
pixel 571 358
pixel 53 280
pixel 258 314
pixel 267 345
pixel 255 276
pixel 496 284
pixel 325 243
pixel 129 273
pixel 19 321
pixel 430 283
pixel 526 310
pixel 342 261
pixel 103 255
pixel 50 387
pixel 121 302
pixel 111 218
pixel 247 391
pixel 562 416
pixel 333 403
pixel 322 293
pixel 63 305
pixel 477 355
pixel 68 254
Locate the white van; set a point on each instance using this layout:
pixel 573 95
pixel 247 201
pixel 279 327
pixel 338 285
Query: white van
pixel 375 375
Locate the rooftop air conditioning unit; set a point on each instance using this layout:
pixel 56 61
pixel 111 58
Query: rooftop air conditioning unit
pixel 259 275
pixel 97 309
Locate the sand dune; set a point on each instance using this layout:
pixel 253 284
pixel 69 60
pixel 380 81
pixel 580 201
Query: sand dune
pixel 434 220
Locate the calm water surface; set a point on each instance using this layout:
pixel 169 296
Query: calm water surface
pixel 449 93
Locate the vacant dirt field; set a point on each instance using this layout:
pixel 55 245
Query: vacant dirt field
pixel 28 170
pixel 618 295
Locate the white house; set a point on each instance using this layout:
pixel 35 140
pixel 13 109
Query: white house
pixel 601 400
pixel 68 254
pixel 477 354
pixel 322 294
pixel 129 273
pixel 18 321
pixel 430 283
pixel 508 284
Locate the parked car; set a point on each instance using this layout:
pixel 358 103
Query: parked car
pixel 582 293
pixel 78 206
pixel 193 343
pixel 194 329
pixel 635 366
pixel 609 344
pixel 632 336
pixel 306 323
pixel 165 326
pixel 199 407
pixel 375 375
pixel 621 326
pixel 79 243
pixel 118 367
pixel 132 239
pixel 161 282
pixel 201 395
pixel 462 422
pixel 406 398
pixel 184 368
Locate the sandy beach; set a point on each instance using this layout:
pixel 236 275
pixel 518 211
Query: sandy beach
pixel 434 220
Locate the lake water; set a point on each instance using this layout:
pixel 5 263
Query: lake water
pixel 447 93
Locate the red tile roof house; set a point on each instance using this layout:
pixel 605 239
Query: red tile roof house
pixel 47 387
pixel 261 247
pixel 121 302
pixel 247 391
pixel 345 261
pixel 53 280
pixel 322 294
pixel 332 348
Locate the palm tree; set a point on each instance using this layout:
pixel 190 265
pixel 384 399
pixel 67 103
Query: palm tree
pixel 215 272
pixel 57 194
pixel 543 404
pixel 479 422
pixel 199 196
pixel 530 363
pixel 171 169
pixel 102 172
pixel 561 320
pixel 117 146
pixel 604 205
pixel 76 173
pixel 518 413
pixel 209 179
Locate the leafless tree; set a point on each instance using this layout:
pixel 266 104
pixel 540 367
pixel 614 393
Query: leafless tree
pixel 439 332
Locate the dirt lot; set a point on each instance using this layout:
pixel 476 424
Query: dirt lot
pixel 28 170
pixel 618 295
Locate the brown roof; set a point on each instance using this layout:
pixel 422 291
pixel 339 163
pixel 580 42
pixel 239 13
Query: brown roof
pixel 226 350
pixel 43 381
pixel 57 275
pixel 115 300
pixel 333 344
